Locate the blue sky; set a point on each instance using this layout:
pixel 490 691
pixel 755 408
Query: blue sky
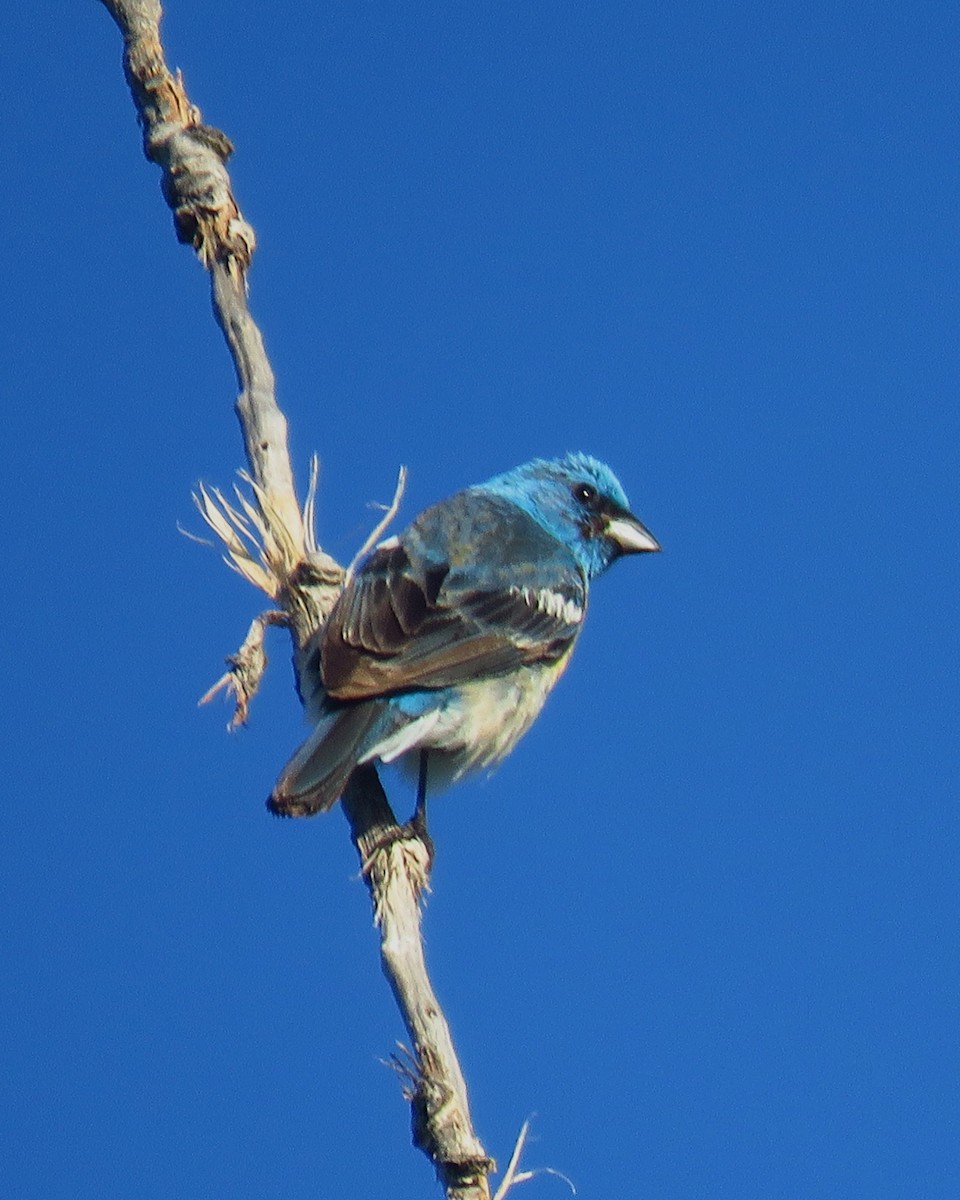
pixel 702 925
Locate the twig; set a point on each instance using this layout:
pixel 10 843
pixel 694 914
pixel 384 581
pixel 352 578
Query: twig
pixel 272 543
pixel 196 186
pixel 246 668
pixel 388 514
pixel 512 1177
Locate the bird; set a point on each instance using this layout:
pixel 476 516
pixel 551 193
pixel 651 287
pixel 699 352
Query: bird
pixel 443 646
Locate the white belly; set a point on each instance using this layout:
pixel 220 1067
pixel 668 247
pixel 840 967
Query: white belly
pixel 493 715
pixel 484 725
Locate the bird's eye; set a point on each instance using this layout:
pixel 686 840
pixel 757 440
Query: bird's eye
pixel 586 493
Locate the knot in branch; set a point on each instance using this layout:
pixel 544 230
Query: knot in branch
pixel 196 186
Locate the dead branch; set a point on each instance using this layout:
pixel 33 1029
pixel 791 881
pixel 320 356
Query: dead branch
pixel 271 541
pixel 192 157
pixel 435 1085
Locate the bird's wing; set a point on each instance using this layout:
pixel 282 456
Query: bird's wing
pixel 474 588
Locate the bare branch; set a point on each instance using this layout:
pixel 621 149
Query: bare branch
pixel 192 155
pixel 265 438
pixel 196 186
pixel 396 865
pixel 273 545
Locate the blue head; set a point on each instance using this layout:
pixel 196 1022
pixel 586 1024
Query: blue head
pixel 580 501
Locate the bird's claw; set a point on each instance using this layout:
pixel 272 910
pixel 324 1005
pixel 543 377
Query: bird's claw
pixel 415 830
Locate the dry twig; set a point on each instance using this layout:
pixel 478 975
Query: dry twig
pixel 272 543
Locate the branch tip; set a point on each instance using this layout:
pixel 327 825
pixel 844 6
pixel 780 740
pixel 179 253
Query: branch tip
pixel 512 1176
pixel 310 507
pixel 246 668
pixel 389 513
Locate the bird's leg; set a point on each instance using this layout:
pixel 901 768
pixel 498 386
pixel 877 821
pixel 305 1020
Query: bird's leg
pixel 388 831
pixel 421 809
pixel 418 822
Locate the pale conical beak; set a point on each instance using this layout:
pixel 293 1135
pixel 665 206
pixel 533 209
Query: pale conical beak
pixel 630 535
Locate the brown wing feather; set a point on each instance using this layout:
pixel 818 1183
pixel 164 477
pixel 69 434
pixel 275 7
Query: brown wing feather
pixel 366 676
pixel 406 620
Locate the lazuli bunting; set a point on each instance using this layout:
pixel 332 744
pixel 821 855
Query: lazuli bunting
pixel 443 647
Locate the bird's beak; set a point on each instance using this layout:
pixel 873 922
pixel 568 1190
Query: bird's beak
pixel 629 534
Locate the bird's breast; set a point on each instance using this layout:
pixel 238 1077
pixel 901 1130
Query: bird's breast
pixel 485 719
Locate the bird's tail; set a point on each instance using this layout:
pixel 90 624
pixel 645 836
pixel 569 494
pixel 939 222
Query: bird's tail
pixel 314 779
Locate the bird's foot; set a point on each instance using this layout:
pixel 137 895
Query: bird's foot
pixel 417 827
pixel 413 832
